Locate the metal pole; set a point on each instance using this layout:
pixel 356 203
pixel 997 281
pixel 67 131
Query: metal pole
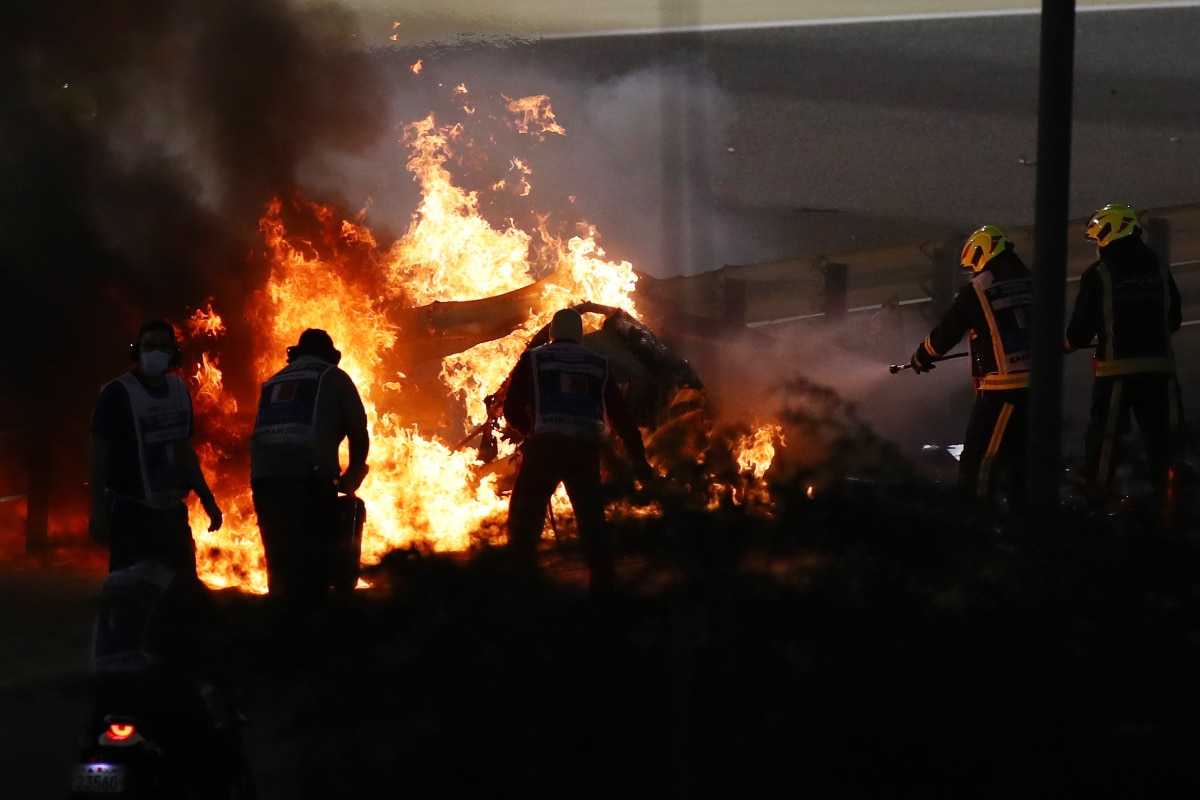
pixel 1050 252
pixel 944 280
pixel 837 284
pixel 680 227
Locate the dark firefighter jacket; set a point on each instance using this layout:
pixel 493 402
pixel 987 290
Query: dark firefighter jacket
pixel 1129 303
pixel 994 309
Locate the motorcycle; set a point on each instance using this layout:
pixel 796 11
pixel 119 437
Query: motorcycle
pixel 162 723
pixel 162 742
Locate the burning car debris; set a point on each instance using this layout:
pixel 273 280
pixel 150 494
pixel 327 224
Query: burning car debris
pixel 657 384
pixel 430 326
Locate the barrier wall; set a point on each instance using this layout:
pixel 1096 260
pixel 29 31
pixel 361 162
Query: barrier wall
pixel 916 273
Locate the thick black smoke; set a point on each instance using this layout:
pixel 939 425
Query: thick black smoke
pixel 139 144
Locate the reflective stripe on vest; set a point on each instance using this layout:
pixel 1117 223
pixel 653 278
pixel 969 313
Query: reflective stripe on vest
pixel 1133 366
pixel 1106 291
pixel 287 405
pixel 1006 307
pixel 161 426
pixel 568 391
pixel 994 382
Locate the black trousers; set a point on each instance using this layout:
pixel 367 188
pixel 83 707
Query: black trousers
pixel 140 533
pixel 1155 401
pixel 546 461
pixel 994 445
pixel 297 519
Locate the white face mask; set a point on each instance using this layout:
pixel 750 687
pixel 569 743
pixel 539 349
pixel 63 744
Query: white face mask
pixel 154 362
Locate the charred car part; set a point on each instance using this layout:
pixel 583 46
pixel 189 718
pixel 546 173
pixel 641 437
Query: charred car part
pixel 658 386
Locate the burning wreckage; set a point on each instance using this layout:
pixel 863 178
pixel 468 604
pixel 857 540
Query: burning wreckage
pixel 432 378
pixel 661 388
pixel 429 328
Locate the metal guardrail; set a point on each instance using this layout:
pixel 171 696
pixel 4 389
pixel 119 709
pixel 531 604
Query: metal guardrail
pixel 904 274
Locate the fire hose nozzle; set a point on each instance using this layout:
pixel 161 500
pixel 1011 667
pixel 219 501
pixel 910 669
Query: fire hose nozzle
pixel 894 368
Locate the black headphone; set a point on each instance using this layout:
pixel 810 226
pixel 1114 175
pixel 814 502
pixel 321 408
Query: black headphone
pixel 176 360
pixel 176 355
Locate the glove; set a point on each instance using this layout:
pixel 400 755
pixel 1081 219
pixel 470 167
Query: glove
pixel 215 518
pixel 352 478
pixel 919 366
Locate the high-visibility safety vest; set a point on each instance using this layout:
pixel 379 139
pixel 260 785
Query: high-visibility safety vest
pixel 1006 305
pixel 287 406
pixel 568 391
pixel 162 426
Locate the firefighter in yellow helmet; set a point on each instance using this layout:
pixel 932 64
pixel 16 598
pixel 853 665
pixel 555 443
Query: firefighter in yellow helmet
pixel 993 311
pixel 1129 305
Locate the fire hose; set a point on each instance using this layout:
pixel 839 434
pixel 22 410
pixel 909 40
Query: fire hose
pixel 897 367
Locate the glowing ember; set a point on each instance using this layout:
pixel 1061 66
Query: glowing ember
pixel 535 115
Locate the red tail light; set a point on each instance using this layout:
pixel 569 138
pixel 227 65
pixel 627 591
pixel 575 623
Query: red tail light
pixel 120 731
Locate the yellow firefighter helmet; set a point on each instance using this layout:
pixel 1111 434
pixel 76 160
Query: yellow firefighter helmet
pixel 982 246
pixel 1114 221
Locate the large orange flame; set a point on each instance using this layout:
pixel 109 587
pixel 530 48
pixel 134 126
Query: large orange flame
pixel 329 272
pixel 421 489
pixel 755 451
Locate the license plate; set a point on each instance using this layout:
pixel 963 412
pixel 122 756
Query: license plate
pixel 98 778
